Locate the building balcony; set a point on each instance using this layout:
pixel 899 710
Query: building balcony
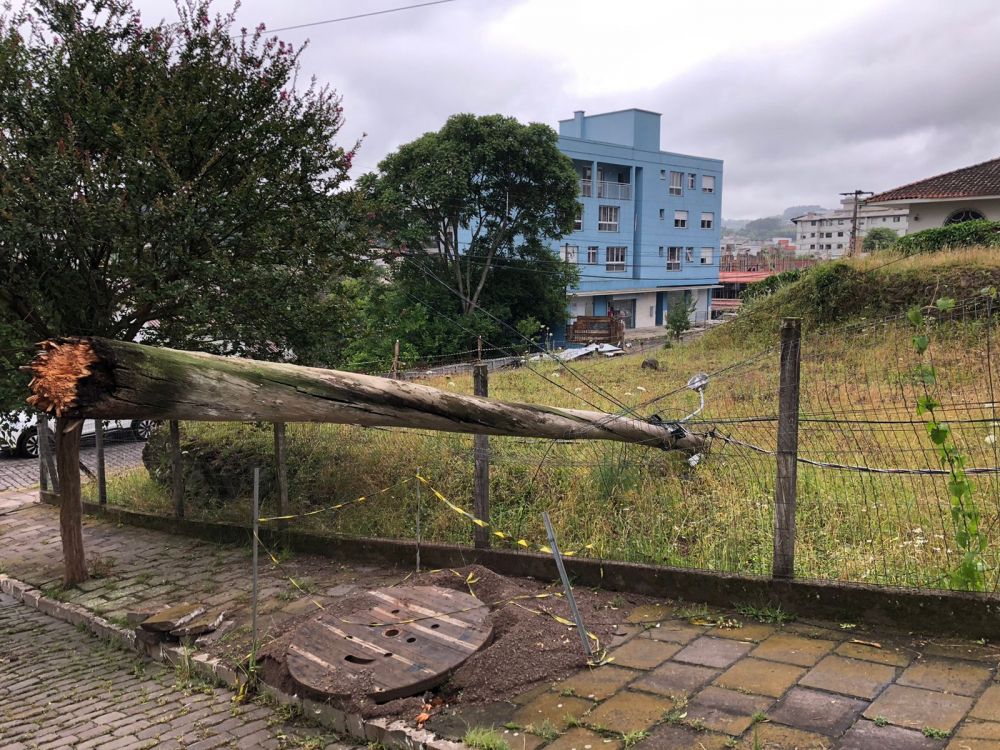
pixel 618 191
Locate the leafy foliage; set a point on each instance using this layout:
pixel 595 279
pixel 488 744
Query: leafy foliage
pixel 770 285
pixel 970 538
pixel 679 319
pixel 168 181
pixel 506 184
pixel 964 234
pixel 879 238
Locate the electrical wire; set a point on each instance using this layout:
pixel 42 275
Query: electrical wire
pixel 358 16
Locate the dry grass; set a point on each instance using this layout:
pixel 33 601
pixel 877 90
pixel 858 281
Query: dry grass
pixel 858 403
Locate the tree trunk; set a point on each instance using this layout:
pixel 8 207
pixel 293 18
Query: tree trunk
pixel 70 501
pixel 103 379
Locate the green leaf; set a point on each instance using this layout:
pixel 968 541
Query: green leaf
pixel 921 342
pixel 939 433
pixel 945 303
pixel 926 403
pixel 915 317
pixel 926 374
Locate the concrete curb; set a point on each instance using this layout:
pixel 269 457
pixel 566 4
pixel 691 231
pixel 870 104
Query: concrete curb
pixel 394 735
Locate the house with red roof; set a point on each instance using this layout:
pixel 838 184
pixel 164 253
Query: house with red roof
pixel 962 195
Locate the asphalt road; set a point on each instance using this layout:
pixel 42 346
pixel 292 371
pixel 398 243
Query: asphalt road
pixel 17 473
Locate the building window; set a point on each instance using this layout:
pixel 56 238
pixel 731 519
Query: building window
pixel 840 221
pixel 689 255
pixel 895 218
pixel 707 183
pixel 571 253
pixel 707 219
pixel 661 251
pixel 691 180
pixel 663 174
pixel 706 256
pixel 663 214
pixel 674 258
pixel 840 234
pixel 813 223
pixel 676 183
pixel 607 219
pixel 680 219
pixel 592 255
pixel 964 214
pixel 578 222
pixel 615 259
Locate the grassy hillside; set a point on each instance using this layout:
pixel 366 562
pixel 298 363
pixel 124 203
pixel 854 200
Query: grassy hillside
pixel 858 402
pixel 883 285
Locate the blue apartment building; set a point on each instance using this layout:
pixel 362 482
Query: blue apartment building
pixel 648 231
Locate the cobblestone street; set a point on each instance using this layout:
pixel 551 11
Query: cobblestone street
pixel 62 688
pixel 16 473
pixel 678 680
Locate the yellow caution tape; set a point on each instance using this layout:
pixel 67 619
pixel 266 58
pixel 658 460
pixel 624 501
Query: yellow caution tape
pixel 522 543
pixel 338 506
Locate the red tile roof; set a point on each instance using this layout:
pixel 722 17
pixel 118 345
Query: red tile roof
pixel 969 182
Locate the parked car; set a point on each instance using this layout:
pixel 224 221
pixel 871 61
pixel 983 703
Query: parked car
pixel 19 434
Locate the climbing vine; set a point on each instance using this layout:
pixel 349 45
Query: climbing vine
pixel 970 539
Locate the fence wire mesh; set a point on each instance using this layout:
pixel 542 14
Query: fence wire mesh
pixel 872 503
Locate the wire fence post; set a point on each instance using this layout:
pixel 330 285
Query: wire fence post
pixel 176 469
pixel 256 528
pixel 783 565
pixel 281 468
pixel 418 518
pixel 481 476
pixel 395 360
pixel 46 467
pixel 102 479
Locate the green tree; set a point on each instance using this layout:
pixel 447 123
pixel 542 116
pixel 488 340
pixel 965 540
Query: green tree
pixel 169 180
pixel 504 183
pixel 679 319
pixel 879 238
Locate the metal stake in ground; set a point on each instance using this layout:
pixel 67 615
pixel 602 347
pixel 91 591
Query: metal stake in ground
pixel 256 528
pixel 418 521
pixel 566 587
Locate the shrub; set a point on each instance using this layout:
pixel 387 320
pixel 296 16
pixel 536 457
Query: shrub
pixel 770 285
pixel 964 234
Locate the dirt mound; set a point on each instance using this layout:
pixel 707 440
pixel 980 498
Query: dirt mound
pixel 529 644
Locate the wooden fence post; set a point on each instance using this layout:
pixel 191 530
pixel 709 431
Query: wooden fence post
pixel 395 360
pixel 46 475
pixel 783 565
pixel 176 469
pixel 481 447
pixel 102 478
pixel 70 501
pixel 281 466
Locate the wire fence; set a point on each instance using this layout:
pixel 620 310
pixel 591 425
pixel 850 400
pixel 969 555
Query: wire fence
pixel 872 501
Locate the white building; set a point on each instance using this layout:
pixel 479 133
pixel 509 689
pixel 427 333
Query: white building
pixel 963 195
pixel 828 234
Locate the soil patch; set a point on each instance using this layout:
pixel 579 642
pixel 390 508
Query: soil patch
pixel 529 645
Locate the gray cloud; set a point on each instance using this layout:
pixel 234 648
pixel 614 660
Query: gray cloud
pixel 903 91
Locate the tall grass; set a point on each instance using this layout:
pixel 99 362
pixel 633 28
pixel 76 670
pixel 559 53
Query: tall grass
pixel 639 504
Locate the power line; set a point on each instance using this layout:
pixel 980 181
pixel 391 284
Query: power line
pixel 357 16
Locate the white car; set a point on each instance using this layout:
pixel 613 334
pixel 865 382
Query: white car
pixel 20 434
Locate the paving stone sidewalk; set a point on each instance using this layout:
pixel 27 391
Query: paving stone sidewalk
pixel 62 688
pixel 17 473
pixel 681 678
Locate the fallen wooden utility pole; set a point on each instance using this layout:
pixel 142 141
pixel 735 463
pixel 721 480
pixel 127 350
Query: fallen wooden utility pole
pixel 102 379
pixel 91 378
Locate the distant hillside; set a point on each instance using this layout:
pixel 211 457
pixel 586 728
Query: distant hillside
pixel 792 211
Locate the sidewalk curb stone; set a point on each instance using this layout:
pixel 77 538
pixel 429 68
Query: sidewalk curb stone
pixel 395 735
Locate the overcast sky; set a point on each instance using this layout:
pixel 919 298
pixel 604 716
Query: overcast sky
pixel 802 100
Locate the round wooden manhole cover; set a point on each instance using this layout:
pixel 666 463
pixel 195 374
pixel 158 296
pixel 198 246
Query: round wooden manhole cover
pixel 410 641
